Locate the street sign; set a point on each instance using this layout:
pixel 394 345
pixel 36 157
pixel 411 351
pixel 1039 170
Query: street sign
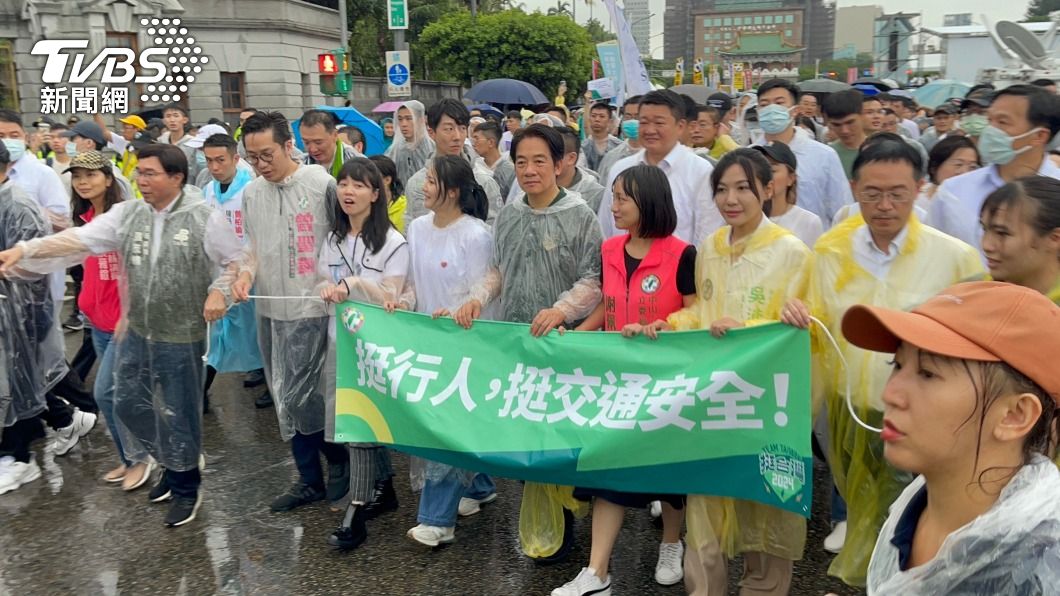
pixel 398 76
pixel 398 14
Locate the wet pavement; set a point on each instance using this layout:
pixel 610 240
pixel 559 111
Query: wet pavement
pixel 71 533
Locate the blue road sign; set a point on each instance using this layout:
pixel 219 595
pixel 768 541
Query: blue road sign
pixel 398 74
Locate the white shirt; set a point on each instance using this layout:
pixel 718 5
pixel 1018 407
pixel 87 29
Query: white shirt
pixel 117 142
pixel 911 128
pixel 101 234
pixel 689 176
pixel 823 188
pixel 447 262
pixel 955 208
pixel 805 225
pixel 41 183
pixel 870 257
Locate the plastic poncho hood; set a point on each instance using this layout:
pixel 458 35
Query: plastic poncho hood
pixel 410 155
pixel 1013 548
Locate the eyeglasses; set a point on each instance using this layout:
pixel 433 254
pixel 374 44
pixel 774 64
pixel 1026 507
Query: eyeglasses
pixel 149 173
pixel 875 196
pixel 266 157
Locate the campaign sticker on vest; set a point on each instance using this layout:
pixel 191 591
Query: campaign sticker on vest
pixel 650 284
pixel 783 470
pixel 708 290
pixel 303 202
pixel 181 237
pixel 352 319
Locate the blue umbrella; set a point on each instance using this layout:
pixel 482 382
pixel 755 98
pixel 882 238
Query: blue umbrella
pixel 937 92
pixel 506 91
pixel 373 133
pixel 486 108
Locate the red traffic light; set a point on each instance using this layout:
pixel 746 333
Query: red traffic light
pixel 326 64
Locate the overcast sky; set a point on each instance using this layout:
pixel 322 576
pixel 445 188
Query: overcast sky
pixel 931 11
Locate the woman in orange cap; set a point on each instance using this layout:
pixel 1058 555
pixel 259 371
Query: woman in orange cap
pixel 971 406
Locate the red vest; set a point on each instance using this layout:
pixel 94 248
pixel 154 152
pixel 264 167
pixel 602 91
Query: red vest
pixel 652 293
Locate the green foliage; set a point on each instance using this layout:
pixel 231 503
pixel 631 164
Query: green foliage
pixel 597 32
pixel 1039 10
pixel 562 9
pixel 536 48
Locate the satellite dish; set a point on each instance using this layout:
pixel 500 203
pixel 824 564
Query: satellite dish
pixel 1025 44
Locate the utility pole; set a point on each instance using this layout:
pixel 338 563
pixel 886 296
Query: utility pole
pixel 344 38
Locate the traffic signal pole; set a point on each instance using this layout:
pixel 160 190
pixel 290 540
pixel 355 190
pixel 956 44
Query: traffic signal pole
pixel 345 42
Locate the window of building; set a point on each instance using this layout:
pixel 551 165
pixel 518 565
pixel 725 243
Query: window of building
pixel 8 80
pixel 233 94
pixel 706 23
pixel 727 21
pixel 728 35
pixel 128 40
pixel 789 18
pixel 787 33
pixel 758 20
pixel 769 19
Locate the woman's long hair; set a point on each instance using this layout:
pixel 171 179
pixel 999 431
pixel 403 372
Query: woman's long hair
pixel 455 173
pixel 377 224
pixel 80 205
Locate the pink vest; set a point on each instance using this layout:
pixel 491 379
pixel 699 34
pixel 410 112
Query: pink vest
pixel 652 291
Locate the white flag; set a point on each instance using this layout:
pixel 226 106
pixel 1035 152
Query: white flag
pixel 636 76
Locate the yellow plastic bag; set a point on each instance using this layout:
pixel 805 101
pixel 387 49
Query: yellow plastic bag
pixel 541 517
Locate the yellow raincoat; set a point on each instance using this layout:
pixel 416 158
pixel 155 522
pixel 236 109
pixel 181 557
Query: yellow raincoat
pixel 749 282
pixel 928 262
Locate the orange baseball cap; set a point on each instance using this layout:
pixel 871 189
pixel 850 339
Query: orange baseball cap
pixel 984 320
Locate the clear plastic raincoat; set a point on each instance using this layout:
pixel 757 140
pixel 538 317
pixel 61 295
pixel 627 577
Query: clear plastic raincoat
pixel 27 315
pixel 411 155
pixel 928 261
pixel 168 262
pixel 233 339
pixel 544 258
pixel 749 282
pixel 444 263
pixel 286 225
pixel 1012 549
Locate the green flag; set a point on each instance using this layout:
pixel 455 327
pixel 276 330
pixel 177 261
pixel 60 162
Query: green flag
pixel 684 414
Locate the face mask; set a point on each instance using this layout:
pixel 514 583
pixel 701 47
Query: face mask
pixel 995 146
pixel 774 119
pixel 973 124
pixel 200 159
pixel 71 149
pixel 16 148
pixel 631 129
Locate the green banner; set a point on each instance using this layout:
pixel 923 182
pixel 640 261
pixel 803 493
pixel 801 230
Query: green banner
pixel 685 414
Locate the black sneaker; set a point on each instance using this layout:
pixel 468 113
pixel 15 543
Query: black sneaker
pixel 352 533
pixel 183 510
pixel 299 494
pixel 563 553
pixel 338 481
pixel 161 491
pixel 263 401
pixel 74 322
pixel 384 500
pixel 254 378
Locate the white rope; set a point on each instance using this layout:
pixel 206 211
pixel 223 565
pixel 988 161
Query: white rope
pixel 209 324
pixel 846 370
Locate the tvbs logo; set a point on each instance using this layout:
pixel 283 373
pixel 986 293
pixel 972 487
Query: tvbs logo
pixel 119 64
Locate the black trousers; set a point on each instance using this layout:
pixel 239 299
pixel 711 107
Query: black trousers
pixel 18 437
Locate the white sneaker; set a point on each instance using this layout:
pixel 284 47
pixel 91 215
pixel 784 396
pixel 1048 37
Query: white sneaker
pixel 834 542
pixel 586 584
pixel 67 437
pixel 669 569
pixel 469 507
pixel 14 474
pixel 431 535
pixel 655 509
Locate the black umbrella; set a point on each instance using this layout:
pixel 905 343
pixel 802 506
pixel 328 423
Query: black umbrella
pixel 506 91
pixel 873 82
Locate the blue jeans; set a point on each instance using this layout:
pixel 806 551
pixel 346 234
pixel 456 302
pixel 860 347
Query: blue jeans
pixel 104 386
pixel 441 499
pixel 839 506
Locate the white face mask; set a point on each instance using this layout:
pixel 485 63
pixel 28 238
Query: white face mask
pixel 16 148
